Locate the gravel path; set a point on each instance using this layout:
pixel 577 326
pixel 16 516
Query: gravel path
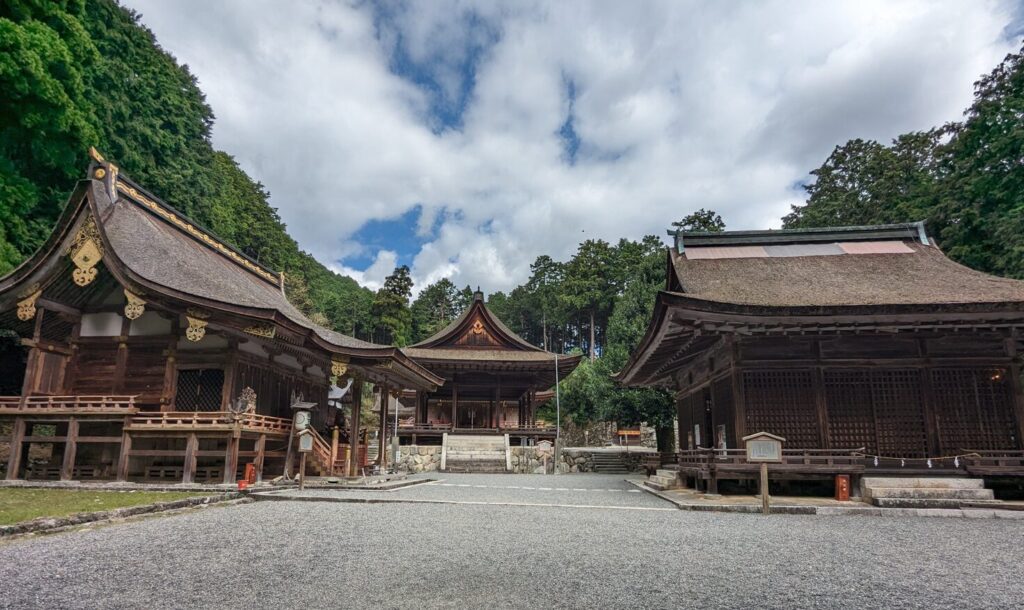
pixel 316 555
pixel 552 490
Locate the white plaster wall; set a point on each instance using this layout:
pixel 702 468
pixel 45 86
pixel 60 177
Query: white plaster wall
pixel 150 323
pixel 106 324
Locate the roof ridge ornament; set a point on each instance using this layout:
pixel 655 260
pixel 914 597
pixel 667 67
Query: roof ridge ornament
pixel 86 251
pixel 104 171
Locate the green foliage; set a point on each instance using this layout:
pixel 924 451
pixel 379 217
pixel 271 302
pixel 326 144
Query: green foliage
pixel 701 220
pixel 80 74
pixel 966 179
pixel 390 309
pixel 436 306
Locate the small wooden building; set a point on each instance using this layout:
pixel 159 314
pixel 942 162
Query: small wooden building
pixel 152 350
pixel 865 347
pixel 492 378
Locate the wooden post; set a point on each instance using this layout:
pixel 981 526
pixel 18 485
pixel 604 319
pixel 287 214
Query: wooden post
pixel 67 469
pixel 382 454
pixel 302 470
pixel 357 405
pixel 125 455
pixel 261 444
pixel 764 487
pixel 17 438
pixel 334 449
pixel 455 404
pixel 191 447
pixel 231 457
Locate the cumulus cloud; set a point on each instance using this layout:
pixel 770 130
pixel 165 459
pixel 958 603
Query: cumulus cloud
pixel 521 129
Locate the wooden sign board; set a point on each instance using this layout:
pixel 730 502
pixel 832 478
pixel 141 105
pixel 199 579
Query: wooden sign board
pixel 763 447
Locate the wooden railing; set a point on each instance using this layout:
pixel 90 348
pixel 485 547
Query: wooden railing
pixel 428 426
pixel 213 420
pixel 321 452
pixel 706 457
pixel 86 404
pixel 538 427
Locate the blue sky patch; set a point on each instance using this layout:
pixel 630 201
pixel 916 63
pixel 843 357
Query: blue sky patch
pixel 397 234
pixel 448 74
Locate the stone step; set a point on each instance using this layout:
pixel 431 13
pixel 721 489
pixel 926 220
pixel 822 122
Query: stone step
pixel 925 493
pixel 923 482
pixel 476 454
pixel 663 482
pixel 655 485
pixel 664 472
pixel 931 503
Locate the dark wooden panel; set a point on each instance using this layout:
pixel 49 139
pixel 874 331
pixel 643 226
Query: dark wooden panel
pixel 144 373
pixel 899 412
pixel 869 347
pixel 722 409
pixel 851 417
pixel 782 402
pixel 96 367
pixel 973 344
pixel 776 348
pixel 973 409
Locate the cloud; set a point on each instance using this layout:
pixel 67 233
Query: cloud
pixel 354 112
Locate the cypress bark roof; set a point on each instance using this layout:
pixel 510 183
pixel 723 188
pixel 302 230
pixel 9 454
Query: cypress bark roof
pixel 155 250
pixel 828 268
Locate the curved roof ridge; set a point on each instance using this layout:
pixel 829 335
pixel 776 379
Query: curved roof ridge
pixel 451 331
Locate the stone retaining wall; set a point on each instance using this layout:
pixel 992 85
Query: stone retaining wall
pixel 525 460
pixel 419 458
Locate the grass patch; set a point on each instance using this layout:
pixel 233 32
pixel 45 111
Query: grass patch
pixel 22 504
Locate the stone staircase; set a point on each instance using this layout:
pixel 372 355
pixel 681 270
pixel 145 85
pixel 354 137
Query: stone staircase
pixel 609 462
pixel 926 492
pixel 473 453
pixel 663 479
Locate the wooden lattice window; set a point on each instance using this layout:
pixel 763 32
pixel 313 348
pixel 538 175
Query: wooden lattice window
pixel 782 402
pixel 851 416
pixel 199 389
pixel 974 409
pixel 899 412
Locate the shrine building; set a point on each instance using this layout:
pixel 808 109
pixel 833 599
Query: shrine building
pixel 866 348
pixel 145 348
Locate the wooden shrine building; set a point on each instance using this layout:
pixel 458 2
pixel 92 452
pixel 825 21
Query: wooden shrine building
pixel 866 348
pixel 492 378
pixel 152 350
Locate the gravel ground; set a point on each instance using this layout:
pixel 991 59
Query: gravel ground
pixel 552 490
pixel 316 555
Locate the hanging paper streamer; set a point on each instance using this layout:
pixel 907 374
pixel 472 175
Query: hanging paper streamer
pixel 956 461
pixel 903 463
pixel 876 460
pixel 929 462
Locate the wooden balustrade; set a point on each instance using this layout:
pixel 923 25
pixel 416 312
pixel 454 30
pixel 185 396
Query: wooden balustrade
pixel 53 405
pixel 212 420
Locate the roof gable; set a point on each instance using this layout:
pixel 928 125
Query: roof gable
pixel 477 329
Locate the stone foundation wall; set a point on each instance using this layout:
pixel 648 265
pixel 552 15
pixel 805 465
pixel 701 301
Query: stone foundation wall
pixel 422 458
pixel 525 460
pixel 577 460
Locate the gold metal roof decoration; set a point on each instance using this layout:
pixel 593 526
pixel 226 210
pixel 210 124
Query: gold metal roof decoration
pixel 478 327
pixel 86 252
pixel 267 331
pixel 195 232
pixel 135 306
pixel 339 366
pixel 196 325
pixel 27 307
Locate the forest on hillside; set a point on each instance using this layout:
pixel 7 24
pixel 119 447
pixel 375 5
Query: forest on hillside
pixel 75 74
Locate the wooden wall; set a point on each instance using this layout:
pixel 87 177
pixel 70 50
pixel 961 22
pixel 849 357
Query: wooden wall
pixel 908 396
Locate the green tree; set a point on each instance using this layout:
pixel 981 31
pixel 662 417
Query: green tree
pixel 701 220
pixel 433 309
pixel 391 308
pixel 585 289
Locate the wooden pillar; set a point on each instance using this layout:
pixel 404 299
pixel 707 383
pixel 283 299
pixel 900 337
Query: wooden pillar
pixel 67 468
pixel 231 457
pixel 261 444
pixel 230 372
pixel 121 359
pixel 382 452
pixel 357 406
pixel 334 449
pixel 17 438
pixel 191 447
pixel 125 455
pixel 818 383
pixel 490 410
pixel 1018 401
pixel 455 404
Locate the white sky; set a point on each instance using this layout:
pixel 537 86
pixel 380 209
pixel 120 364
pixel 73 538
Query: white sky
pixel 678 105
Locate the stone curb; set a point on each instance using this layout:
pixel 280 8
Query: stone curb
pixel 393 486
pixel 867 511
pixel 47 524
